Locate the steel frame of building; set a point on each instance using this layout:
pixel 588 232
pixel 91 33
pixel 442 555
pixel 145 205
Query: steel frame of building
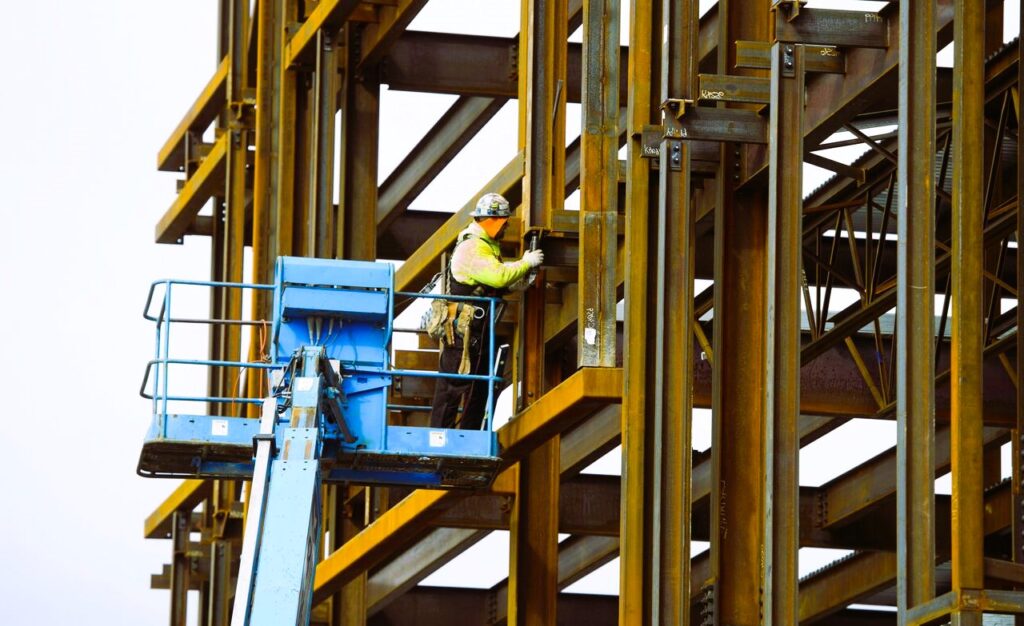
pixel 717 114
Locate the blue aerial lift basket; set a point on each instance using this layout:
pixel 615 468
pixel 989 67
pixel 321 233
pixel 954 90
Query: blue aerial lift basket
pixel 331 330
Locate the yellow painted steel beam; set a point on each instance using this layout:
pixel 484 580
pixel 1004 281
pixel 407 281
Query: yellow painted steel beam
pixel 197 190
pixel 583 393
pixel 580 395
pixel 589 440
pixel 423 263
pixel 186 497
pixel 327 14
pixel 391 23
pixel 207 106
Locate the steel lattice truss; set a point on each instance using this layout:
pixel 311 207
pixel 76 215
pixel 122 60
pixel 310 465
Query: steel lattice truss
pixel 717 114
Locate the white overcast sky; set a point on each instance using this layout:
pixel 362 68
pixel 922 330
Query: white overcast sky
pixel 90 92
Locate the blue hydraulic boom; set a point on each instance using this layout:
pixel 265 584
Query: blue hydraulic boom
pixel 324 419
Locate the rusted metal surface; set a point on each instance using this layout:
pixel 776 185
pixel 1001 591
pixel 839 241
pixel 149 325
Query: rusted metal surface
pixel 635 584
pixel 967 314
pixel 915 379
pixel 738 377
pixel 599 183
pixel 782 323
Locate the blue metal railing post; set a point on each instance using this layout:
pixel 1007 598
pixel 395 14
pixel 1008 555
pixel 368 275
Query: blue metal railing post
pixel 166 349
pixel 489 414
pixel 156 355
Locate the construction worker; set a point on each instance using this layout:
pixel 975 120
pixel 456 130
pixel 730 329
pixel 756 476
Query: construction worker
pixel 476 269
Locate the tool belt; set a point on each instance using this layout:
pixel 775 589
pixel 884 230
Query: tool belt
pixel 445 321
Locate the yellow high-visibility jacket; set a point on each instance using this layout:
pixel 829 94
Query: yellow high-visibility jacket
pixel 477 261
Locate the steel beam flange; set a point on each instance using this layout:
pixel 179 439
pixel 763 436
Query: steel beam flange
pixel 792 7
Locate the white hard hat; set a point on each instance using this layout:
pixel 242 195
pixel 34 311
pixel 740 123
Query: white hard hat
pixel 491 205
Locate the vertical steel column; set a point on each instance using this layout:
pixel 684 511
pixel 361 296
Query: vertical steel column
pixel 967 314
pixel 321 233
pixel 533 575
pixel 915 308
pixel 738 376
pixel 282 226
pixel 1017 459
pixel 220 588
pixel 356 231
pixel 302 167
pixel 636 562
pixel 533 566
pixel 782 393
pixel 348 607
pixel 599 181
pixel 180 566
pixel 360 118
pixel 215 378
pixel 235 186
pixel 547 52
pixel 543 182
pixel 673 340
pixel 265 177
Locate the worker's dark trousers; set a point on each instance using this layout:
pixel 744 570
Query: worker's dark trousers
pixel 448 394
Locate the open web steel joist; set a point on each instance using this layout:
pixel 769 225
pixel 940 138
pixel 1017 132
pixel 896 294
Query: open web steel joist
pixel 889 292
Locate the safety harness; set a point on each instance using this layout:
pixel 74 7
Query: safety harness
pixel 444 320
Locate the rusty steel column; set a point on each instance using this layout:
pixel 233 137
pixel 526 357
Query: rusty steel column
pixel 235 187
pixel 967 314
pixel 1017 447
pixel 533 563
pixel 599 183
pixel 287 93
pixel 672 386
pixel 265 176
pixel 543 181
pixel 738 375
pixel 215 375
pixel 533 574
pixel 360 119
pixel 915 308
pixel 221 590
pixel 181 566
pixel 345 521
pixel 320 232
pixel 636 587
pixel 782 358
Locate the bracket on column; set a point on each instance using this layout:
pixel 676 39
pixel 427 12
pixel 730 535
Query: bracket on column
pixel 713 124
pixel 818 59
pixel 726 88
pixel 790 7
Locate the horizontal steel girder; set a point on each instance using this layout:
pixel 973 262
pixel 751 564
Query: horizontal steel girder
pixel 584 393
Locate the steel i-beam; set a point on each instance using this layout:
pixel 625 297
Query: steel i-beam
pixel 320 233
pixel 235 186
pixel 738 375
pixel 782 394
pixel 180 567
pixel 673 266
pixel 357 216
pixel 635 582
pixel 967 314
pixel 265 170
pixel 533 575
pixel 282 222
pixel 915 308
pixel 1017 461
pixel 599 183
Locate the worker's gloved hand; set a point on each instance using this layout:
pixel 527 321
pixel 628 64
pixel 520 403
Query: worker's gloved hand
pixel 534 258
